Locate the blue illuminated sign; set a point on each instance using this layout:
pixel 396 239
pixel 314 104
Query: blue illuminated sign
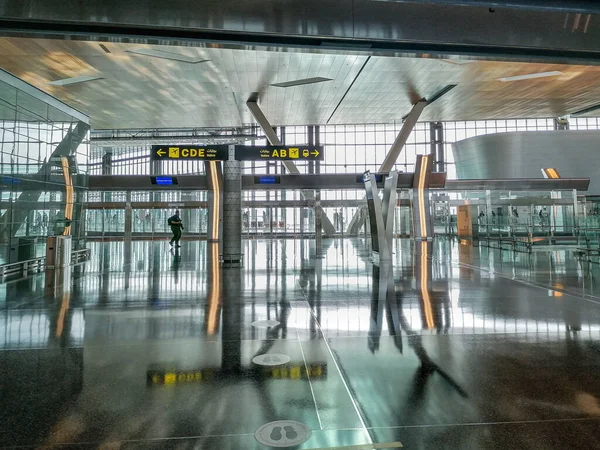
pixel 267 180
pixel 164 181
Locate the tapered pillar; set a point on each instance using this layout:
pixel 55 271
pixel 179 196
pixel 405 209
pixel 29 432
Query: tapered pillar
pixel 381 215
pixel 422 225
pixel 232 212
pixel 215 200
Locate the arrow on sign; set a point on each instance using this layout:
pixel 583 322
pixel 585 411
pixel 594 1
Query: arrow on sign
pixel 161 152
pixel 316 153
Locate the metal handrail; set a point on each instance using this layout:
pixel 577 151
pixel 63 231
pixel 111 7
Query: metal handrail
pixel 36 263
pixel 4 268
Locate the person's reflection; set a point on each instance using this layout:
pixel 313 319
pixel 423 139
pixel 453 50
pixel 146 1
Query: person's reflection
pixel 175 253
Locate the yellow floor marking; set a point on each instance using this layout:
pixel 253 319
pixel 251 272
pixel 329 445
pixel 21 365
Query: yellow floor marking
pixel 364 446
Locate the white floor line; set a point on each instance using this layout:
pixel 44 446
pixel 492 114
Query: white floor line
pixel 356 409
pixel 310 382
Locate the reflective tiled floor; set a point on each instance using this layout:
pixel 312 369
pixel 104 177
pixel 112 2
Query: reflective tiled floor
pixel 450 347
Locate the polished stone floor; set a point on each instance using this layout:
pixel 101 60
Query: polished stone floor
pixel 449 347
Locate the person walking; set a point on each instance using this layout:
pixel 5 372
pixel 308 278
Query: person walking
pixel 176 227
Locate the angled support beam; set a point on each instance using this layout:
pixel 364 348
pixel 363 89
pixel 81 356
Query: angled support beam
pixel 407 127
pixel 271 136
pixel 381 215
pixel 392 156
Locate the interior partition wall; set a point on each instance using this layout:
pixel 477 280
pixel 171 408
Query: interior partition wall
pixel 43 170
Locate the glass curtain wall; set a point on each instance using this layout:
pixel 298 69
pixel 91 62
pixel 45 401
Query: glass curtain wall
pixel 348 149
pixel 43 164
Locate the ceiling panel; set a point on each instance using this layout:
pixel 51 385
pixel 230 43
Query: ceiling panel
pixel 140 91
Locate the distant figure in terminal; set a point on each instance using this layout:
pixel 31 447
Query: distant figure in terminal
pixel 543 215
pixel 481 216
pixel 514 216
pixel 176 227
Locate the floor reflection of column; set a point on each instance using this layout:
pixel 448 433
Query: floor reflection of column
pixel 213 307
pixel 310 282
pixel 384 293
pixel 104 274
pixel 233 317
pixel 423 271
pixel 58 281
pixel 127 264
pixel 379 294
pixel 154 273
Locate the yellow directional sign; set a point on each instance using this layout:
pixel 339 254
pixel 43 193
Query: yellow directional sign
pixel 282 153
pixel 242 153
pixel 187 152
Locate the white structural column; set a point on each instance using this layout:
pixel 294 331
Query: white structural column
pixel 262 120
pixel 381 215
pixel 232 214
pixel 392 156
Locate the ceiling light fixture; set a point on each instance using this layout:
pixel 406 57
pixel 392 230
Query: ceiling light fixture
pixel 531 76
pixel 167 55
pixel 301 82
pixel 74 80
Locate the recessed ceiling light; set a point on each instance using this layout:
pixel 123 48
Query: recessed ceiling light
pixel 301 82
pixel 167 55
pixel 74 80
pixel 531 76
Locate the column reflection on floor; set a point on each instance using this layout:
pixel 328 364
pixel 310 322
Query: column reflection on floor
pixel 145 344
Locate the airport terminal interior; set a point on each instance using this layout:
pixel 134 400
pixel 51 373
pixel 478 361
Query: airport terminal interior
pixel 306 225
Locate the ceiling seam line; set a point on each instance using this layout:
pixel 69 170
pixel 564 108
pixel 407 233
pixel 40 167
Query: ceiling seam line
pixel 348 90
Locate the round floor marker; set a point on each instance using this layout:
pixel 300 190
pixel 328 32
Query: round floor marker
pixel 265 323
pixel 271 359
pixel 283 433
